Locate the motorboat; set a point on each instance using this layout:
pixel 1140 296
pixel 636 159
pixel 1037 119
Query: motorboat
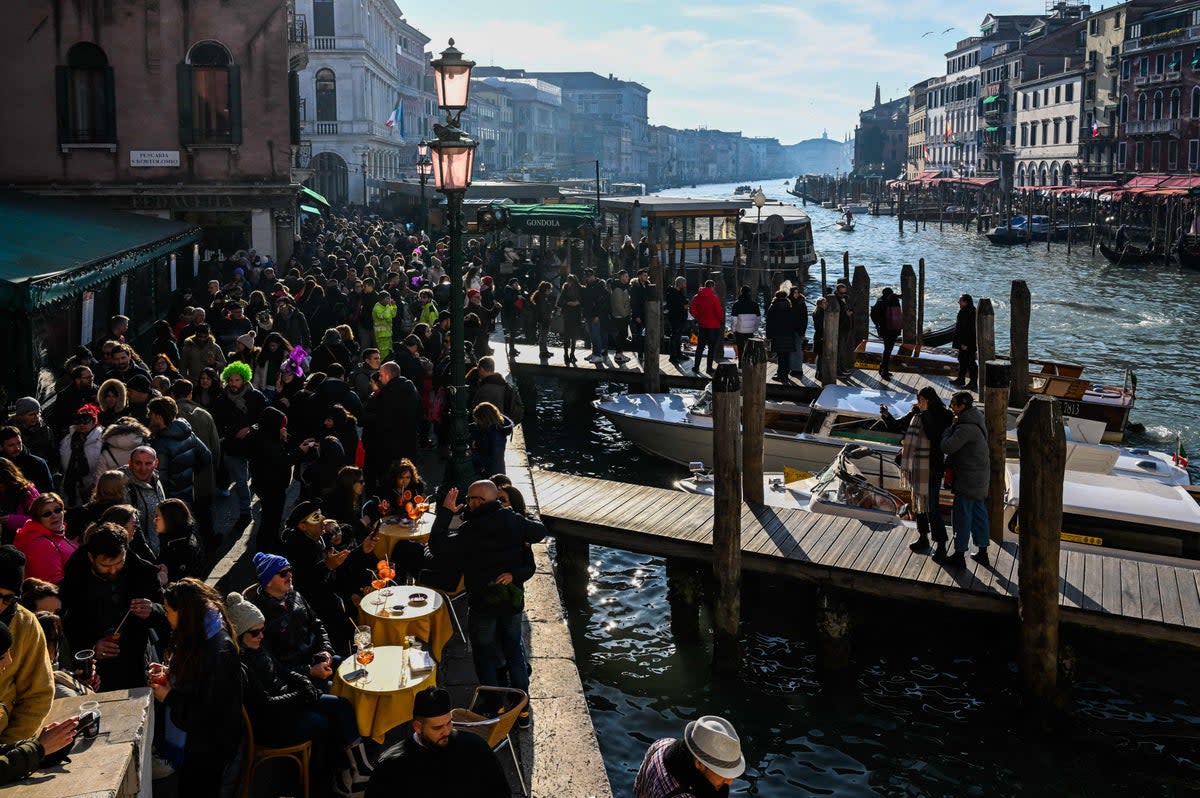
pixel 743 190
pixel 855 207
pixel 1019 229
pixel 785 234
pixel 1122 513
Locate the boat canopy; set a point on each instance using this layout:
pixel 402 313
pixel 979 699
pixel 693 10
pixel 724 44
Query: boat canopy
pixel 863 402
pixel 1138 501
pixel 560 218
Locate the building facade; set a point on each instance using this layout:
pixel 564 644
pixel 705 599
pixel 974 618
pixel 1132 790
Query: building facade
pixel 881 138
pixel 1048 131
pixel 366 66
pixel 1159 107
pixel 917 97
pixel 178 110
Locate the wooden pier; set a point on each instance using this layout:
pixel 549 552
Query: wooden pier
pixel 801 389
pixel 1101 589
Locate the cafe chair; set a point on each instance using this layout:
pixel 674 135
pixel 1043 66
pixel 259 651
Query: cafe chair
pixel 496 731
pixel 257 754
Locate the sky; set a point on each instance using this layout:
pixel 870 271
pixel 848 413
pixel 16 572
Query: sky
pixel 787 70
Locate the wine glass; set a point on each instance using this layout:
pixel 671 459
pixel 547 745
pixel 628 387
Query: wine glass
pixel 364 657
pixel 379 585
pixel 389 574
pixel 362 636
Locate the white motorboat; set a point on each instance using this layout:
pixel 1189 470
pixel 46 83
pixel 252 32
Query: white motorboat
pixel 855 207
pixel 1121 512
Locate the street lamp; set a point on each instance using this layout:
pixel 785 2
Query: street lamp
pixel 424 170
pixel 364 174
pixel 453 154
pixel 760 199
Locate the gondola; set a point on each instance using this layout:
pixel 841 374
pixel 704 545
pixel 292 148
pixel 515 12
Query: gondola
pixel 1130 255
pixel 845 227
pixel 1188 251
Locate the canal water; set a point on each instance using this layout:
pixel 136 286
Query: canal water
pixel 928 705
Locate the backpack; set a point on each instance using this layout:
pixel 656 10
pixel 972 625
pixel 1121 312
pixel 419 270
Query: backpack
pixel 894 319
pixel 514 407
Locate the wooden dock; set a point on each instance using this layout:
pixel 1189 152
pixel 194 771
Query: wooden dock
pixel 1098 588
pixel 802 389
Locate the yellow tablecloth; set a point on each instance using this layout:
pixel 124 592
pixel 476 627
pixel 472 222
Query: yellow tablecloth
pixel 430 623
pixel 383 703
pixel 392 533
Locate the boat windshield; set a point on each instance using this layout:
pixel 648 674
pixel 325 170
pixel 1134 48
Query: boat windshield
pixel 843 483
pixel 703 406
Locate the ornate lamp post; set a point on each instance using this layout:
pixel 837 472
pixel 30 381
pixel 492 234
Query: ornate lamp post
pixel 453 155
pixel 424 170
pixel 760 199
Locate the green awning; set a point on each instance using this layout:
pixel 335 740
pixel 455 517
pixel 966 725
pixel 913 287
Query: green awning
pixel 1196 60
pixel 315 195
pixel 992 129
pixel 562 219
pixel 991 99
pixel 1174 64
pixel 52 248
pixel 311 209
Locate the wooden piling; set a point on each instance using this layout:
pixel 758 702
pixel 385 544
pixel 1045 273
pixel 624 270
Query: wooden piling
pixel 908 302
pixel 860 302
pixel 684 589
pixel 846 265
pixel 920 303
pixel 1018 341
pixel 652 340
pixel 1028 217
pixel 985 332
pixel 827 358
pixel 824 279
pixel 1070 230
pixel 1052 213
pixel 1043 460
pixel 754 410
pixel 900 214
pixel 996 380
pixel 727 518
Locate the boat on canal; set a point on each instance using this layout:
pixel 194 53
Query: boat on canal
pixel 1020 229
pixel 845 225
pixel 1130 255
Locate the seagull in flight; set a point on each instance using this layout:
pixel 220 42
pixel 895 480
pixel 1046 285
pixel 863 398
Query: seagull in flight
pixel 926 33
pixel 947 30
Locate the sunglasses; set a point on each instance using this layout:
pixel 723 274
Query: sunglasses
pixel 55 511
pixel 256 632
pixel 285 573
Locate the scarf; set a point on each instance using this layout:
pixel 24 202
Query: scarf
pixel 238 399
pixel 914 464
pixel 77 469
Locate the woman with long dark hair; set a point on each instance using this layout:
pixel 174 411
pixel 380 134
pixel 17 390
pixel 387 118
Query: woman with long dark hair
pixel 208 386
pixel 201 688
pixel 543 309
pixel 16 496
pixel 923 465
pixel 570 302
pixel 177 539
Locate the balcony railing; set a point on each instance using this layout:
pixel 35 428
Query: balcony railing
pixel 1158 78
pixel 346 127
pixel 1112 61
pixel 1150 127
pixel 303 155
pixel 1141 80
pixel 324 43
pixel 298 29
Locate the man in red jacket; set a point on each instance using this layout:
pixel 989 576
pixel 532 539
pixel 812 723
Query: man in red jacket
pixel 710 316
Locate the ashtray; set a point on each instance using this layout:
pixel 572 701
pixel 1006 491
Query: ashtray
pixel 418 601
pixel 398 609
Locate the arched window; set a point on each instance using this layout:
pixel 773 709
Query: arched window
pixel 1174 112
pixel 1066 173
pixel 1021 175
pixel 210 96
pixel 1158 105
pixel 1124 112
pixel 326 89
pixel 85 89
pixel 1195 102
pixel 1141 111
pixel 1054 174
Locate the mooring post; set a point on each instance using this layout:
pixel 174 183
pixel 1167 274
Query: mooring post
pixel 908 303
pixel 920 304
pixel 754 412
pixel 833 635
pixel 652 339
pixel 571 561
pixel 1018 342
pixel 900 214
pixel 1043 460
pixel 860 302
pixel 996 380
pixel 727 518
pixel 824 279
pixel 846 265
pixel 827 358
pixel 683 595
pixel 985 332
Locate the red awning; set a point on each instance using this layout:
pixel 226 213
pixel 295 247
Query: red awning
pixel 1144 181
pixel 1181 181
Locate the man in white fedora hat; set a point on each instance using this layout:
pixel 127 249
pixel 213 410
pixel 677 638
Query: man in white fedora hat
pixel 701 765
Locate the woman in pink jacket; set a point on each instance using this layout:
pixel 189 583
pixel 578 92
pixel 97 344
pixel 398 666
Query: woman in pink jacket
pixel 43 539
pixel 16 496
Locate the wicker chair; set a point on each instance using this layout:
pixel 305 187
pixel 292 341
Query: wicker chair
pixel 496 731
pixel 257 754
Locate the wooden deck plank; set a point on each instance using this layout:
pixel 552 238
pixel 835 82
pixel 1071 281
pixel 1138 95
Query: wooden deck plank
pixel 1131 593
pixel 895 540
pixel 828 539
pixel 899 561
pixel 663 514
pixel 1073 590
pixel 1168 586
pixel 552 491
pixel 815 541
pixel 1093 582
pixel 874 544
pixel 859 537
pixel 637 501
pixel 775 532
pixel 1151 600
pixel 1189 596
pixel 1112 585
pixel 918 565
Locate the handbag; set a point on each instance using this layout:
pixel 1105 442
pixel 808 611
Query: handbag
pixel 499 599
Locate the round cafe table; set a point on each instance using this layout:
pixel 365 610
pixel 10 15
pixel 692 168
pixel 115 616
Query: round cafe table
pixel 384 702
pixel 393 529
pixel 396 617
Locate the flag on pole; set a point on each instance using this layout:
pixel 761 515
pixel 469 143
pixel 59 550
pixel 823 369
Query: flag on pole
pixel 391 120
pixel 396 117
pixel 1095 129
pixel 1181 458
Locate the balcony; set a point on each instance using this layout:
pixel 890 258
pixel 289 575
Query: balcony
pixel 1141 80
pixel 1158 78
pixel 297 37
pixel 348 127
pixel 1172 76
pixel 1152 127
pixel 1112 62
pixel 302 155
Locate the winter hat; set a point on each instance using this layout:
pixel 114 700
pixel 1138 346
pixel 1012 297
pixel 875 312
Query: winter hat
pixel 140 383
pixel 242 614
pixel 473 292
pixel 303 510
pixel 331 337
pixel 432 702
pixel 267 565
pixel 26 404
pixel 487 279
pixel 12 568
pixel 6 640
pixel 88 410
pixel 247 340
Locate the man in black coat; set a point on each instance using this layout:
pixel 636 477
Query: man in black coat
pixel 180 452
pixel 235 410
pixel 676 300
pixel 293 632
pixel 640 292
pixel 390 421
pixel 106 586
pixel 964 344
pixel 490 550
pixel 314 545
pixel 437 760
